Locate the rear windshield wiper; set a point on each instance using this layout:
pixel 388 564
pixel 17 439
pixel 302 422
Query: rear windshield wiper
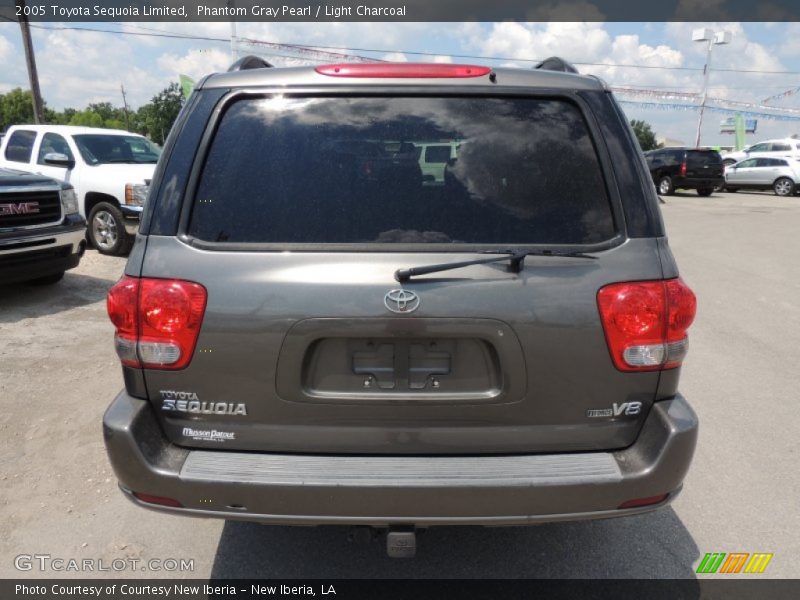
pixel 516 260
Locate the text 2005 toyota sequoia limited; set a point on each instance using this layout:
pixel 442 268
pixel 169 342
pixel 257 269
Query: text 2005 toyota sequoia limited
pixel 314 329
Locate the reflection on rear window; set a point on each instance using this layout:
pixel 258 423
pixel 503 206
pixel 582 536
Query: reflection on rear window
pixel 703 157
pixel 98 149
pixel 437 154
pixel 349 170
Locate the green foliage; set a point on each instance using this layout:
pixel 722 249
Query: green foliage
pixel 15 107
pixel 58 118
pixel 645 135
pixel 106 111
pixel 153 119
pixel 114 124
pixel 86 118
pixel 99 114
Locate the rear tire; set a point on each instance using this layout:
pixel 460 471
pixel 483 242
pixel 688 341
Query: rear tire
pixel 47 279
pixel 730 189
pixel 665 186
pixel 107 230
pixel 705 191
pixel 783 186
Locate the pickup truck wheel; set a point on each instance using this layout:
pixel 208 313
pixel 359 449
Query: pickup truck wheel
pixel 783 186
pixel 665 187
pixel 47 279
pixel 107 230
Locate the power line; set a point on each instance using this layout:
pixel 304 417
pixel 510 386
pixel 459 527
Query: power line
pixel 120 32
pixel 134 33
pixel 174 35
pixel 309 49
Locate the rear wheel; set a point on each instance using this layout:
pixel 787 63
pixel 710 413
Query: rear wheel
pixel 704 191
pixel 783 186
pixel 731 189
pixel 107 230
pixel 665 186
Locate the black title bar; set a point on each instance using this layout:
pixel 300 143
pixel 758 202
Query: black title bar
pixel 405 589
pixel 399 10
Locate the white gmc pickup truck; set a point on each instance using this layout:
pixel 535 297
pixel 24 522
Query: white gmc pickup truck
pixel 110 170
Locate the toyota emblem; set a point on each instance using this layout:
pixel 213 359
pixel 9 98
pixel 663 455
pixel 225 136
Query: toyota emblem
pixel 401 301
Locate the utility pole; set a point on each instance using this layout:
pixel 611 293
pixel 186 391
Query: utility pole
pixel 30 59
pixel 712 38
pixel 125 104
pixel 234 50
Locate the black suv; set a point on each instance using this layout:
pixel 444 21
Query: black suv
pixel 685 168
pixel 498 346
pixel 41 233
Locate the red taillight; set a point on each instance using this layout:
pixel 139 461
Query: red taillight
pixel 402 70
pixel 160 500
pixel 121 303
pixel 645 323
pixel 683 169
pixel 649 501
pixel 157 321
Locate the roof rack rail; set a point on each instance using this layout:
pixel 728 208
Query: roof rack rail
pixel 555 63
pixel 249 62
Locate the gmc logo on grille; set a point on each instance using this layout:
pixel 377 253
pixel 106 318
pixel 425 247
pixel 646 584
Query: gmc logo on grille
pixel 20 208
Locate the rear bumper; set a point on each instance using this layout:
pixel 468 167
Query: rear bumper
pixel 390 490
pixel 33 254
pixel 132 214
pixel 698 182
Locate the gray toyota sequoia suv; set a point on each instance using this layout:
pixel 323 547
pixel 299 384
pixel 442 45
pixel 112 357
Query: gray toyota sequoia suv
pixel 312 333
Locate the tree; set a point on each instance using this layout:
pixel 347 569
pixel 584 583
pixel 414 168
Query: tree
pixel 86 118
pixel 53 117
pixel 645 135
pixel 16 108
pixel 67 114
pixel 155 119
pixel 106 110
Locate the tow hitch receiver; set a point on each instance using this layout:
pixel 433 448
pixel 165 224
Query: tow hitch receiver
pixel 401 543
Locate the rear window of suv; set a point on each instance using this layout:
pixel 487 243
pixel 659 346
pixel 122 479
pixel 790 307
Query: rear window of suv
pixel 315 171
pixel 703 157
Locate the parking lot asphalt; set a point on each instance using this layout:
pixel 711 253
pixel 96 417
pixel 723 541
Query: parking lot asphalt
pixel 739 252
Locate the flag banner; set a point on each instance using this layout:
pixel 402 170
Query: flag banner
pixel 187 85
pixel 717 109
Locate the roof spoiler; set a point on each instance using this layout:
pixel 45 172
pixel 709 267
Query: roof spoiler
pixel 555 63
pixel 249 62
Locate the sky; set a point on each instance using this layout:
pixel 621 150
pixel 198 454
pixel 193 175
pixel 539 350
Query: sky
pixel 77 67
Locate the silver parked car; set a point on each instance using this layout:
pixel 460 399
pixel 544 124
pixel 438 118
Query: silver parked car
pixel 780 174
pixel 783 148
